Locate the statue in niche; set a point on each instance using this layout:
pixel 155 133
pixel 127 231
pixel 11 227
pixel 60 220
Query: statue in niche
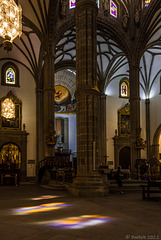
pixel 140 143
pixel 125 20
pixel 105 6
pixel 51 137
pixel 63 8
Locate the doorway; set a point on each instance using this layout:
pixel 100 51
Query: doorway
pixel 124 158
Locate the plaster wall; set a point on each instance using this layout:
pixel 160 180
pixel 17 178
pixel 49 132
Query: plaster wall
pixel 26 93
pixel 113 104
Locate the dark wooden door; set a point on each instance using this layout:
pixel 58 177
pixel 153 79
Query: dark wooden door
pixel 124 158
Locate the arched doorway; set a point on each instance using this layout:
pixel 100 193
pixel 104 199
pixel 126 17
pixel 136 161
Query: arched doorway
pixel 124 158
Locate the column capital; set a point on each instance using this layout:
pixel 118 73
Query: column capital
pixel 87 91
pixel 84 4
pixel 134 67
pixel 134 99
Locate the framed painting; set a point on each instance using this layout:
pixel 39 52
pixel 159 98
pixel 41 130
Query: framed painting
pixel 124 121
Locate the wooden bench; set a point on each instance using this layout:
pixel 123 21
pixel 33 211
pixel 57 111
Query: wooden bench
pixel 149 188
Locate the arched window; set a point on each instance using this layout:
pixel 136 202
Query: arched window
pixel 124 88
pixel 72 4
pixel 147 2
pixel 113 9
pixel 10 75
pixel 98 3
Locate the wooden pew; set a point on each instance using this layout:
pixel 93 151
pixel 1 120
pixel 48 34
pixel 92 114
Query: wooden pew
pixel 150 188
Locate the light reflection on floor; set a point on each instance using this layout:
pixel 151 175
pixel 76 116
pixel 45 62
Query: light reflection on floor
pixel 77 222
pixel 44 197
pixel 40 208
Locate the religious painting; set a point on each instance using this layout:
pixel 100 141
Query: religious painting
pixel 63 101
pixel 125 124
pixel 61 94
pixel 124 121
pixel 10 108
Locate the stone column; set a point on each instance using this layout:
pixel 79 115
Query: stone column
pixel 88 182
pixel 134 113
pixel 103 140
pixel 48 101
pixel 39 125
pixel 147 107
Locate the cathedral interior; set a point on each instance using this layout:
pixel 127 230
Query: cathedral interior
pixel 80 93
pixel 80 90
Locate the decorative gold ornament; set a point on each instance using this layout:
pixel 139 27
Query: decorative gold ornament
pixel 51 137
pixel 8 109
pixel 140 143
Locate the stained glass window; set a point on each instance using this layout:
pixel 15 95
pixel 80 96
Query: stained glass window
pixel 98 3
pixel 113 9
pixel 147 3
pixel 72 3
pixel 10 76
pixel 124 89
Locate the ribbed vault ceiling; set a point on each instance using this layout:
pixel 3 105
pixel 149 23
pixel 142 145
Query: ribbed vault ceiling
pixel 112 62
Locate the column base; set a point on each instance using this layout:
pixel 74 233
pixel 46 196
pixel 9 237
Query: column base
pixel 89 186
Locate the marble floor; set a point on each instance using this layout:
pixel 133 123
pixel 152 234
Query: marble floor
pixel 32 212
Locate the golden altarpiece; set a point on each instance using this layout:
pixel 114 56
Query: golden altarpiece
pixel 122 139
pixel 13 141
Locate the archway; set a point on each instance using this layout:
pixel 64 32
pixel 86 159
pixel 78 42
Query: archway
pixel 124 158
pixel 155 146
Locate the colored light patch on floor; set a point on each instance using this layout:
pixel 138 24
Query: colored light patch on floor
pixel 78 222
pixel 40 208
pixel 44 197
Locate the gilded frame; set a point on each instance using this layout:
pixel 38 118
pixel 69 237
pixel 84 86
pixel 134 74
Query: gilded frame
pixel 124 121
pixel 12 124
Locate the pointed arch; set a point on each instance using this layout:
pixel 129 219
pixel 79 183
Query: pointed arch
pixel 157 135
pixel 155 146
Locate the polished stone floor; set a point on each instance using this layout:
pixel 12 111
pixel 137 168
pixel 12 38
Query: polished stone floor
pixel 32 212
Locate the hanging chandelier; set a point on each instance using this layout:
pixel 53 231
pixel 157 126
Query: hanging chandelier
pixel 10 22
